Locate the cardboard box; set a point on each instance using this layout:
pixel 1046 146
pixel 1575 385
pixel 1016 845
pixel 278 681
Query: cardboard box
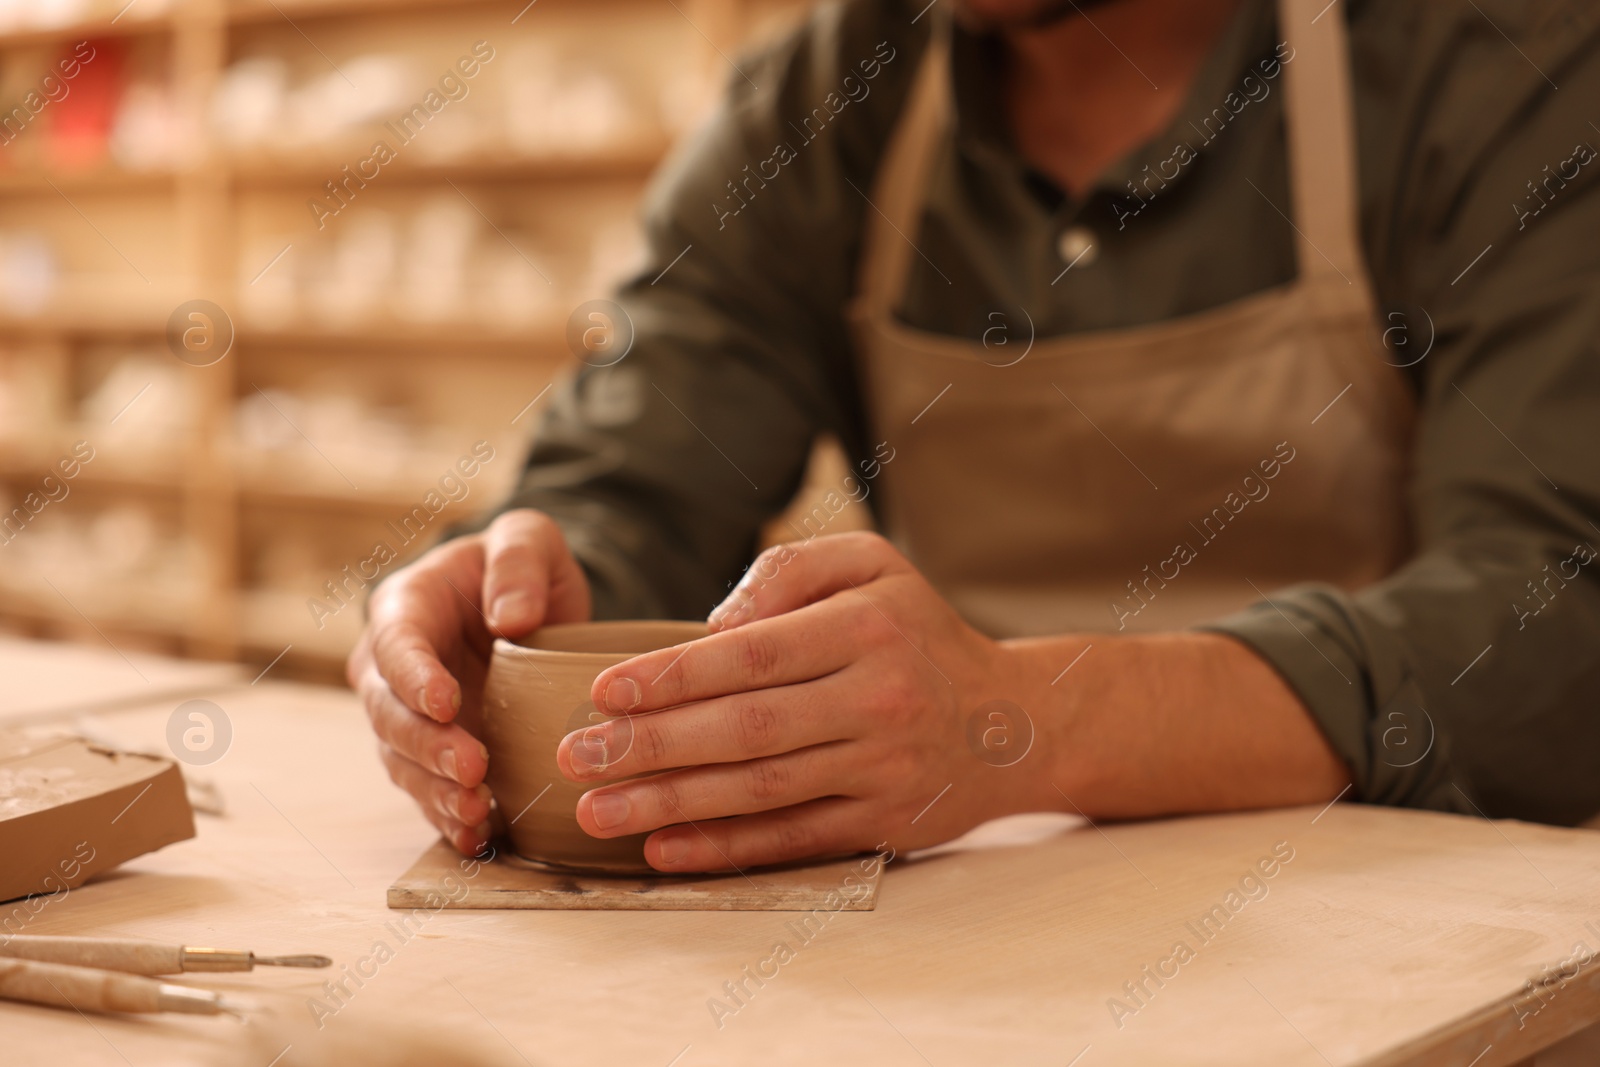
pixel 70 810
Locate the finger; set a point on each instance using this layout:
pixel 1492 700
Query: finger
pixel 459 837
pixel 416 616
pixel 530 577
pixel 360 660
pixel 790 576
pixel 641 805
pixel 466 807
pixel 744 726
pixel 831 826
pixel 464 838
pixel 796 647
pixel 446 749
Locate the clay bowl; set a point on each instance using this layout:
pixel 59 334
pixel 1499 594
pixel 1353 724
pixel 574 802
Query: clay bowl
pixel 536 693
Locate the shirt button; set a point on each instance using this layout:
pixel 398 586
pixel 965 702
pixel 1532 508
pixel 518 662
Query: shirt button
pixel 1077 247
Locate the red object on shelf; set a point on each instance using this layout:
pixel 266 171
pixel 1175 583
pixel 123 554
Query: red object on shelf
pixel 79 126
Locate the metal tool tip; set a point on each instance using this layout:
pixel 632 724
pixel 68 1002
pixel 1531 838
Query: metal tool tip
pixel 235 1008
pixel 294 961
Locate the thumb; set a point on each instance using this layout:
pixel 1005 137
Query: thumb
pixel 790 576
pixel 530 578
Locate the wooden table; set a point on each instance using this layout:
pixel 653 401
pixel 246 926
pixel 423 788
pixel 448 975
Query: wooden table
pixel 45 681
pixel 1388 938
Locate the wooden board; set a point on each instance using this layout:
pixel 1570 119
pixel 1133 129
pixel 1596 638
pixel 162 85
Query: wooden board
pixel 505 882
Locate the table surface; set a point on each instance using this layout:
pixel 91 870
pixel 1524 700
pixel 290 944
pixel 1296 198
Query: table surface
pixel 1388 938
pixel 45 681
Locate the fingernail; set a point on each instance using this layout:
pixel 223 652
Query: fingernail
pixel 609 809
pixel 483 792
pixel 672 850
pixel 422 701
pixel 447 765
pixel 480 833
pixel 622 694
pixel 730 610
pixel 508 608
pixel 455 700
pixel 588 752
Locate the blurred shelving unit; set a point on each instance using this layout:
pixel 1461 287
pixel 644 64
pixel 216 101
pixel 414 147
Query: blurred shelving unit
pixel 207 510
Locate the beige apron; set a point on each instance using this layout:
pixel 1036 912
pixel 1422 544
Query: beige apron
pixel 1144 478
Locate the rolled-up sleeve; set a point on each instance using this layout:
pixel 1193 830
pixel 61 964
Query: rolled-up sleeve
pixel 662 469
pixel 1469 680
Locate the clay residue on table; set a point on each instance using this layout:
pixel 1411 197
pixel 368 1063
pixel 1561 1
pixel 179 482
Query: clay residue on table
pixel 31 789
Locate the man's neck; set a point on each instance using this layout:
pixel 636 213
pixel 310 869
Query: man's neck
pixel 1083 91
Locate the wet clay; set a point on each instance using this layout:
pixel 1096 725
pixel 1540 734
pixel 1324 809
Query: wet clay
pixel 536 693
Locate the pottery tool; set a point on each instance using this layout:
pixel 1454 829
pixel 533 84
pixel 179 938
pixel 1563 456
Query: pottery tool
pixel 143 957
pixel 86 989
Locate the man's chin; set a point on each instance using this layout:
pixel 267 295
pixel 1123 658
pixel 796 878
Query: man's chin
pixel 1001 15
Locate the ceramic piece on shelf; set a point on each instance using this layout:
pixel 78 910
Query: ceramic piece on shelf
pixel 536 693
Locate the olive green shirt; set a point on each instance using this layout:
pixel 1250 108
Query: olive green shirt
pixel 1469 680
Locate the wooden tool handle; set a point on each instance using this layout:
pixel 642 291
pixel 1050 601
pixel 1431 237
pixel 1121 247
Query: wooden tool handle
pixel 81 988
pixel 111 954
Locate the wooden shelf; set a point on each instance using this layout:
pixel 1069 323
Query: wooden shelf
pixel 388 500
pixel 415 338
pixel 305 647
pixel 622 161
pixel 92 323
pixel 130 24
pixel 201 212
pixel 166 621
pixel 245 12
pixel 93 320
pixel 239 13
pixel 100 474
pixel 85 307
pixel 99 180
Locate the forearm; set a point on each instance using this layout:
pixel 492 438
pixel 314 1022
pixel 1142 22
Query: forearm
pixel 1166 724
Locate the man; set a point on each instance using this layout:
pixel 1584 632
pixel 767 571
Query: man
pixel 1091 293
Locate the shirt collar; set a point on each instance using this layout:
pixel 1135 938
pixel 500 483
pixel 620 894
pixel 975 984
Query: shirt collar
pixel 983 133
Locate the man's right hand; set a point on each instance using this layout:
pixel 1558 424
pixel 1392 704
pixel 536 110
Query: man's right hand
pixel 420 664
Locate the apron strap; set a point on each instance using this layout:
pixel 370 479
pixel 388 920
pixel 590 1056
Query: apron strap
pixel 894 212
pixel 1322 160
pixel 1322 145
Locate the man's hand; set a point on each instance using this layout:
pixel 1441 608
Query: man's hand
pixel 840 702
pixel 827 711
pixel 419 666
